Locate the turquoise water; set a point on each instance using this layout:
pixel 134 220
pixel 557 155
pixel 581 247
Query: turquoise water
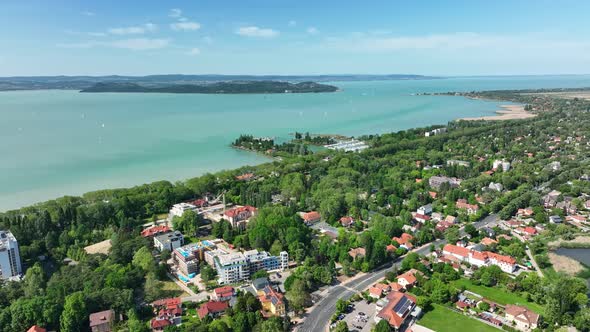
pixel 54 143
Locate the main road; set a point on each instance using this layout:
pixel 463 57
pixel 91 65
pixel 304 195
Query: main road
pixel 319 317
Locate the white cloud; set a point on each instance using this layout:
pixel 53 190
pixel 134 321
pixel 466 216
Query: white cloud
pixel 134 30
pixel 87 13
pixel 292 23
pixel 312 30
pixel 175 12
pixel 136 44
pixel 254 31
pixel 208 40
pixel 194 51
pixel 97 34
pixel 185 26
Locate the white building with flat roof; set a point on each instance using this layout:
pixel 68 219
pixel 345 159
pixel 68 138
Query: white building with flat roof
pixel 10 263
pixel 178 210
pixel 169 241
pixel 232 268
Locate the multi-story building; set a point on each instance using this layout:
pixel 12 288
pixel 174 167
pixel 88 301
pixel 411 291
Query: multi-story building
pixel 272 301
pixel 102 321
pixel 188 257
pixel 231 268
pixel 169 241
pixel 437 181
pixel 179 209
pixel 264 261
pixel 10 264
pixel 480 258
pixel 239 216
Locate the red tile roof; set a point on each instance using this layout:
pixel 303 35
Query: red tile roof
pixel 36 328
pixel 225 291
pixel 155 230
pixel 241 209
pixel 211 307
pixel 311 216
pixel 409 277
pixel 462 204
pixel 396 319
pixel 421 216
pixel 405 238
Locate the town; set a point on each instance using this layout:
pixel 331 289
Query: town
pixel 429 229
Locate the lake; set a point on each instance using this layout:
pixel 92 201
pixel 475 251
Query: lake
pixel 55 143
pixel 579 254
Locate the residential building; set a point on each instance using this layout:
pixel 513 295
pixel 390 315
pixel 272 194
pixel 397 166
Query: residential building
pixel 357 252
pixel 224 293
pixel 169 241
pixel 480 258
pixel 422 218
pixel 259 284
pixel 399 307
pixel 311 217
pixel 524 318
pixel 245 177
pixel 470 208
pixel 425 209
pixel 346 221
pixel 168 312
pixel 239 216
pixel 102 321
pixel 10 263
pixel 348 146
pixel 496 186
pixel 408 279
pixel 36 328
pixel 231 268
pixel 375 292
pixel 555 220
pixel 264 261
pixel 437 181
pixel 188 257
pixel 178 210
pixel 212 309
pixel 272 301
pixel 404 241
pixel 155 230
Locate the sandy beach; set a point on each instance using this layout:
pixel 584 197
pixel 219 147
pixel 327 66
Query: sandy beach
pixel 507 112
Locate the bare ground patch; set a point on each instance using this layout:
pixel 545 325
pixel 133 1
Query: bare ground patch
pixel 565 264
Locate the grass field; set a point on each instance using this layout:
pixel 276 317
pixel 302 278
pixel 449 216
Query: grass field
pixel 497 295
pixel 442 319
pixel 172 289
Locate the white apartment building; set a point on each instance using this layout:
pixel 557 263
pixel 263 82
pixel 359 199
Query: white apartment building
pixel 231 268
pixel 179 209
pixel 169 241
pixel 10 263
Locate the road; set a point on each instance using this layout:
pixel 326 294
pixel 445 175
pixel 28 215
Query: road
pixel 319 316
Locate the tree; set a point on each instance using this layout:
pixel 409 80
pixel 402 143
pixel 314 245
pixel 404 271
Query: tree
pixel 452 235
pixel 259 274
pixel 34 281
pixel 74 315
pixel 382 326
pixel 298 295
pixel 471 230
pixel 484 306
pixel 274 324
pixel 341 327
pixel 341 306
pixel 144 260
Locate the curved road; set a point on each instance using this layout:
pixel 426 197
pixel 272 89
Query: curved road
pixel 319 317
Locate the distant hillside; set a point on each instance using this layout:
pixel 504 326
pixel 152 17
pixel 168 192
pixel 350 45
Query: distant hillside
pixel 233 87
pixel 85 82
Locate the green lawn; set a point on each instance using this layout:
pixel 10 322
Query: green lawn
pixel 497 295
pixel 442 319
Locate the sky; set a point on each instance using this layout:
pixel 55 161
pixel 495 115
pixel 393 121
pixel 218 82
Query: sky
pixel 142 37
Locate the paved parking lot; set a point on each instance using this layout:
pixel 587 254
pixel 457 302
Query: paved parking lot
pixel 361 318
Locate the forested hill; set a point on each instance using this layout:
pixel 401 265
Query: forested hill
pixel 233 87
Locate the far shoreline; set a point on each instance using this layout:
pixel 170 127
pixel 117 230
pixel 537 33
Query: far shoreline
pixel 506 112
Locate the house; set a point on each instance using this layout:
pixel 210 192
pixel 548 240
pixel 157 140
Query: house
pixel 346 221
pixel 155 230
pixel 495 186
pixel 399 307
pixel 259 284
pixel 451 219
pixel 239 216
pixel 524 212
pixel 470 208
pixel 486 241
pixel 212 309
pixel 432 194
pixel 311 217
pixel 396 287
pixel 524 318
pixel 245 177
pixel 422 218
pixel 36 328
pixel 555 219
pixel 530 231
pixel 169 241
pixel 375 292
pixel 408 279
pixel 102 321
pixel 587 204
pixel 550 200
pixel 357 252
pixel 436 216
pixel 272 302
pixel 178 210
pixel 404 241
pixel 224 293
pixel 168 312
pixel 576 218
pixel 443 226
pixel 390 248
pixel 425 209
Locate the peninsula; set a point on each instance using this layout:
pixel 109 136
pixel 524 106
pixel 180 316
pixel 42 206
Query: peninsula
pixel 233 87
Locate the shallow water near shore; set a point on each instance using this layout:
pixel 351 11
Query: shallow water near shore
pixel 56 143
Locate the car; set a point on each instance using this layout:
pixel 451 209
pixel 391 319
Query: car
pixel 340 317
pixel 362 314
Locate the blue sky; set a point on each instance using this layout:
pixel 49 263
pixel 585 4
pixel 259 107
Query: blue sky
pixel 102 37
